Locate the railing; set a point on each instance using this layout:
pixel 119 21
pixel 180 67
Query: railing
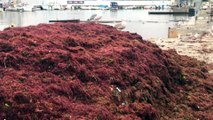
pixel 211 11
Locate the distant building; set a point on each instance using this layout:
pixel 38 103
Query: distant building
pixel 37 2
pixel 71 3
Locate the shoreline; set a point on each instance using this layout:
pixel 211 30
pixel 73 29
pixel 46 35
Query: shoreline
pixel 193 38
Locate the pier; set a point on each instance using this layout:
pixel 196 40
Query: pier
pixel 78 20
pixel 167 12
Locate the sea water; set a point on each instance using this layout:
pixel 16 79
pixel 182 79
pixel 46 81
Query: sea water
pixel 138 21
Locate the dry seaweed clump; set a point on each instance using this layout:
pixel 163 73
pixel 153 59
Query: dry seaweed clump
pixel 89 71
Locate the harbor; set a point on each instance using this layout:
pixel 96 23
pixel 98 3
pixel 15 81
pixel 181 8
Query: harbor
pixel 141 22
pixel 147 13
pixel 30 5
pixel 19 16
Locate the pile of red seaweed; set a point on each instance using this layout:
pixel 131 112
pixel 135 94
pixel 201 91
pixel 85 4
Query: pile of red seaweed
pixel 90 71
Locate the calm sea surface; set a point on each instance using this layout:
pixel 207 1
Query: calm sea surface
pixel 138 21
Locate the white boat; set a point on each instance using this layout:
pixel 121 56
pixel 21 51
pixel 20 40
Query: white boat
pixel 56 7
pixel 90 8
pixel 149 7
pixel 20 7
pixel 129 7
pixel 25 8
pixel 11 9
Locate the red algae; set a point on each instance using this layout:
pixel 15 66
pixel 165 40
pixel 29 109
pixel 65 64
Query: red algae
pixel 90 71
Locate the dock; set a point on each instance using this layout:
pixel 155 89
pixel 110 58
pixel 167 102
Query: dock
pixel 177 10
pixel 167 12
pixel 78 20
pixel 72 20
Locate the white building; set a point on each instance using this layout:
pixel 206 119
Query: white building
pixel 71 3
pixel 38 2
